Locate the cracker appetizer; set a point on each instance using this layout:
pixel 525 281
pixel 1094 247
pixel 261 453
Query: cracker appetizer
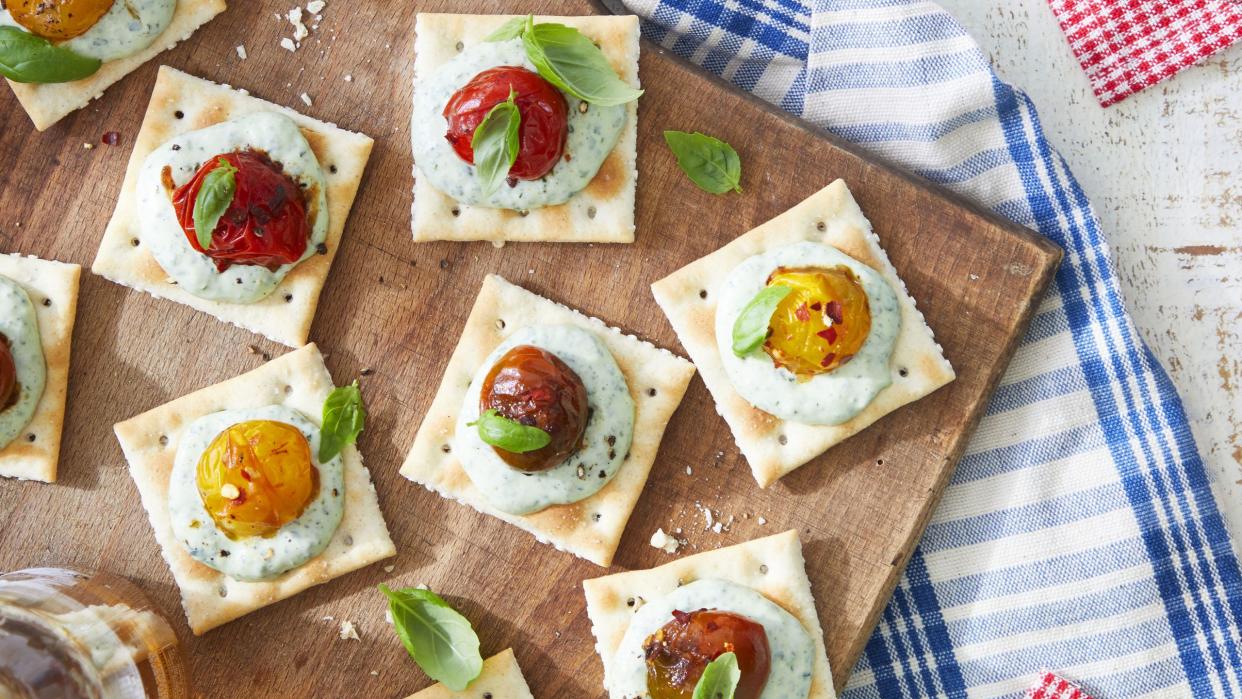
pixel 254 498
pixel 547 419
pixel 60 55
pixel 657 630
pixel 233 206
pixel 501 679
pixel 38 304
pixel 803 332
pixel 525 128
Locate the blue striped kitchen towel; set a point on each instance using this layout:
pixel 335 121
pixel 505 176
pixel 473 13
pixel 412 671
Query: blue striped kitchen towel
pixel 1079 532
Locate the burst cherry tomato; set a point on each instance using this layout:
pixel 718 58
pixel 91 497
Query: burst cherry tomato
pixel 266 225
pixel 256 477
pixel 679 651
pixel 545 117
pixel 8 375
pixel 820 325
pixel 58 20
pixel 534 387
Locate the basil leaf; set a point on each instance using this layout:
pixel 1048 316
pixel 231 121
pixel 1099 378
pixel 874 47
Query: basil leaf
pixel 709 162
pixel 495 143
pixel 751 327
pixel 719 679
pixel 510 435
pixel 439 639
pixel 343 417
pixel 510 30
pixel 214 197
pixel 572 62
pixel 26 58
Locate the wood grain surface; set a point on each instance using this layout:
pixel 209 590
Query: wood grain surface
pixel 396 308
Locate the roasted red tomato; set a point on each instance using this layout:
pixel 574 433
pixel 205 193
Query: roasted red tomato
pixel 534 387
pixel 58 20
pixel 256 477
pixel 545 117
pixel 682 648
pixel 266 225
pixel 820 325
pixel 8 375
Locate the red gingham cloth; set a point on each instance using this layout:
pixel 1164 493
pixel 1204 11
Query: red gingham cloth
pixel 1050 686
pixel 1129 45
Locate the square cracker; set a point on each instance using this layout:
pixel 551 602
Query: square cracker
pixel 592 527
pixel 300 381
pixel 772 566
pixel 53 289
pixel 773 446
pixel 501 679
pixel 286 314
pixel 48 104
pixel 601 213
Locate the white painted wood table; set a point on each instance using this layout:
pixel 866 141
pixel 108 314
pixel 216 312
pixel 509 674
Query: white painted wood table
pixel 1164 171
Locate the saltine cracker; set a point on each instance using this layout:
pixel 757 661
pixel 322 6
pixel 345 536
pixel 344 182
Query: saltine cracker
pixel 773 446
pixel 298 380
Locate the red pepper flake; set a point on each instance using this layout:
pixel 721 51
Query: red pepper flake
pixel 828 359
pixel 829 334
pixel 833 310
pixel 111 138
pixel 817 306
pixel 802 314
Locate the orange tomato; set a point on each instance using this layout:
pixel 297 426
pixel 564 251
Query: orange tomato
pixel 255 477
pixel 821 324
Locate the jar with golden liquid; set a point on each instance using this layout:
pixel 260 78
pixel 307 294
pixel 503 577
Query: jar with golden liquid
pixel 84 635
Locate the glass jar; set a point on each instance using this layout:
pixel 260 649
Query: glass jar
pixel 84 635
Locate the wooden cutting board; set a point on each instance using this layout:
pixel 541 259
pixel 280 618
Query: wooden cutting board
pixel 397 307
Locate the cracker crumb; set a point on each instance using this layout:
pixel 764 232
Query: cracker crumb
pixel 348 632
pixel 388 615
pixel 241 51
pixel 689 471
pixel 664 542
pixel 315 6
pixel 375 673
pixel 287 43
pixel 763 521
pixel 389 569
pixel 88 146
pixel 306 99
pixel 329 618
pixel 349 78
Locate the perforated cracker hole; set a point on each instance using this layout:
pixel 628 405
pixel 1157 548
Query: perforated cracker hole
pixel 332 169
pixel 222 591
pixel 163 440
pixel 879 462
pixel 595 516
pixel 821 226
pixel 446 448
pixel 500 324
pixel 288 389
pixel 456 211
pixel 134 242
pixel 348 540
pixel 591 212
pixel 181 115
pixel 288 298
pixel 30 437
pixel 523 213
pixel 460 45
pixel 651 392
pixel 702 293
pixel 47 303
pixel 763 569
pixel 783 440
pixel 903 372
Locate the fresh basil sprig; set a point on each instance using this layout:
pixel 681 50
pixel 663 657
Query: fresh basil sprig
pixel 26 58
pixel 496 143
pixel 436 636
pixel 215 196
pixel 709 162
pixel 719 679
pixel 569 60
pixel 751 327
pixel 343 418
pixel 510 435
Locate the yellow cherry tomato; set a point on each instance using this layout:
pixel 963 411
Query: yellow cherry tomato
pixel 256 477
pixel 821 324
pixel 58 20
